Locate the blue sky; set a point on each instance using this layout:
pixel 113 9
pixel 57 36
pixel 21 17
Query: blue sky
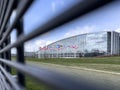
pixel 103 19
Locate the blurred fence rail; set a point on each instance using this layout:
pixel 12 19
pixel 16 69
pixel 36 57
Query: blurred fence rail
pixel 52 79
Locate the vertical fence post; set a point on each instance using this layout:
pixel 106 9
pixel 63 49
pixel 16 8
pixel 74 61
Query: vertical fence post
pixel 2 54
pixel 20 52
pixel 8 54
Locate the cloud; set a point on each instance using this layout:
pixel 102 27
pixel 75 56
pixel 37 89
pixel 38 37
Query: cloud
pixel 118 30
pixel 79 30
pixel 42 43
pixel 57 5
pixel 53 6
pixel 34 46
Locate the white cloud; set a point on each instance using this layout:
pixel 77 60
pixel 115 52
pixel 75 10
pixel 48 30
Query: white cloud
pixel 79 30
pixel 53 6
pixel 57 5
pixel 42 43
pixel 106 29
pixel 118 30
pixel 34 46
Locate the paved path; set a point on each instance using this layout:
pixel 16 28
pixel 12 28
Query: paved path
pixel 109 80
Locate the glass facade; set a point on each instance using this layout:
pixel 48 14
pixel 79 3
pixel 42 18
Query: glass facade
pixel 109 42
pixel 96 42
pixel 91 44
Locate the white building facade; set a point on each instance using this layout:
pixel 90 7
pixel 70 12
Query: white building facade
pixel 90 44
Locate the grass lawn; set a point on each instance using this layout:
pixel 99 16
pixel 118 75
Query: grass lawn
pixel 32 84
pixel 77 61
pixel 100 63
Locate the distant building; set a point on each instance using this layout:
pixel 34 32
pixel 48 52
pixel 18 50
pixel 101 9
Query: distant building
pixel 90 44
pixel 29 54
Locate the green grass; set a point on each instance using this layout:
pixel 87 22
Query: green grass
pixel 32 84
pixel 78 61
pixel 100 63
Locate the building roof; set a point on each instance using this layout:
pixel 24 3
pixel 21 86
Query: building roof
pixel 79 35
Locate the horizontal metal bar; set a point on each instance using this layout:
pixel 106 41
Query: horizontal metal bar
pixel 3 83
pixel 73 12
pixel 3 11
pixel 7 14
pixel 21 9
pixel 1 5
pixel 12 81
pixel 52 78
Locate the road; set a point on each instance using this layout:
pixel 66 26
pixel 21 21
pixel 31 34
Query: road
pixel 109 80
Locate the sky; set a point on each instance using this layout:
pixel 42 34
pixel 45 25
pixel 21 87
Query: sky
pixel 102 19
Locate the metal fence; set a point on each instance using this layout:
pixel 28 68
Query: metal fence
pixel 53 79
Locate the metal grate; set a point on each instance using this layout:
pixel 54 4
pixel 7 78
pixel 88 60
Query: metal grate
pixel 53 79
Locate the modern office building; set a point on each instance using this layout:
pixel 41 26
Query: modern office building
pixel 30 54
pixel 90 44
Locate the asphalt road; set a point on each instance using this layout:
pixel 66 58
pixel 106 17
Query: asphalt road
pixel 107 80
